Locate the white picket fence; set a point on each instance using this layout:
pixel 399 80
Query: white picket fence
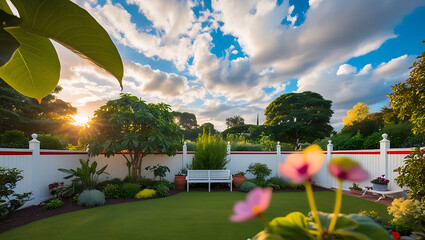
pixel 40 166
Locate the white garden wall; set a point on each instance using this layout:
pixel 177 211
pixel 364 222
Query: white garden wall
pixel 40 166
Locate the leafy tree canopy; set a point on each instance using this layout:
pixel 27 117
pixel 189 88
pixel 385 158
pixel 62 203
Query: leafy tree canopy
pixel 299 117
pixel 408 98
pixel 130 125
pixel 185 120
pixel 358 113
pixel 235 120
pixel 237 129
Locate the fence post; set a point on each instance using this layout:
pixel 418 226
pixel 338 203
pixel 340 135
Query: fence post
pixel 329 149
pixel 34 145
pixel 278 152
pixel 384 145
pixel 228 151
pixel 184 157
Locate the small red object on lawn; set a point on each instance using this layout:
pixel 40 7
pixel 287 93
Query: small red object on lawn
pixel 396 235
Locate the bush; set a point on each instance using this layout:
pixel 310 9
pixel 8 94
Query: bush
pixel 407 213
pixel 52 142
pixel 412 174
pixel 87 175
pixel 129 190
pixel 247 186
pixel 9 200
pixel 112 191
pixel 211 152
pixel 91 198
pixel 372 214
pixel 52 204
pixel 146 182
pixel 246 147
pixel 158 170
pixel 278 183
pixel 146 193
pixel 403 230
pixel 259 170
pixel 162 190
pixel 13 139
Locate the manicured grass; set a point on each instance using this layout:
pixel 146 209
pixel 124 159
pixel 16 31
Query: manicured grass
pixel 193 215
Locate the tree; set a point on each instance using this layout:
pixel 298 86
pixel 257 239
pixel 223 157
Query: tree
pixel 208 127
pixel 299 117
pixel 367 126
pixel 235 120
pixel 130 125
pixel 28 60
pixel 185 120
pixel 358 113
pixel 408 98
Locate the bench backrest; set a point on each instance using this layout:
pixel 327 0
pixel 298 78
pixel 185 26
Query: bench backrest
pixel 208 174
pixel 219 174
pixel 198 174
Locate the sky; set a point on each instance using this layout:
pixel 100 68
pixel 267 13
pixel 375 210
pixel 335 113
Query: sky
pixel 218 59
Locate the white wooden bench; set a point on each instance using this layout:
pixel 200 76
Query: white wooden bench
pixel 382 193
pixel 209 176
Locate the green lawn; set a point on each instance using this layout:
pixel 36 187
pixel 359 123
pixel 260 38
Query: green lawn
pixel 193 215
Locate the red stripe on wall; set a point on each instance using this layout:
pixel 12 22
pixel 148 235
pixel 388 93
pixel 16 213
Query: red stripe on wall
pixel 359 153
pixel 15 153
pixel 62 153
pixel 399 152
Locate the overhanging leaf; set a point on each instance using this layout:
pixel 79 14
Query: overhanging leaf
pixel 34 68
pixel 73 27
pixel 8 46
pixel 4 6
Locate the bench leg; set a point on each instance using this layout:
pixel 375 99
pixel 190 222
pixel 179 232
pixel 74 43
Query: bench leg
pixel 187 186
pixel 230 186
pixel 381 197
pixel 209 187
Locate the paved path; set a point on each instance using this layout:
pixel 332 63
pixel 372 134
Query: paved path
pixel 370 197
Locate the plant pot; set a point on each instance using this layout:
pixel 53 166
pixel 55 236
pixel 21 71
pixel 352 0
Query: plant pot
pixel 238 180
pixel 380 187
pixel 180 182
pixel 357 192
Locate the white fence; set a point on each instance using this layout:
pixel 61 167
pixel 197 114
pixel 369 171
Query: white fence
pixel 40 166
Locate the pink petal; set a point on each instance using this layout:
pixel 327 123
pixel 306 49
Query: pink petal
pixel 242 212
pixel 254 197
pixel 357 174
pixel 265 199
pixel 314 158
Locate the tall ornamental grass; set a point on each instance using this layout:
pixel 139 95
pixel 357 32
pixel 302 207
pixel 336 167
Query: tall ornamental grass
pixel 211 152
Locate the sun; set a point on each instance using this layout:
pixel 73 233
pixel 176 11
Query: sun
pixel 80 120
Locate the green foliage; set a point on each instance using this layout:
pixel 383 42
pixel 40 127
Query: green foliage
pixel 9 200
pixel 112 191
pixel 129 190
pixel 279 183
pixel 234 121
pixel 146 193
pixel 27 38
pixel 299 117
pixel 129 124
pixel 211 152
pixel 412 174
pixel 91 198
pixel 162 190
pixel 48 141
pixel 403 230
pixel 374 215
pixel 158 170
pixel 346 142
pixel 408 213
pixel 398 133
pixel 298 226
pixel 185 120
pixel 259 170
pixel 356 187
pixel 408 97
pixel 13 139
pixel 237 129
pixel 52 204
pixel 247 186
pixel 87 175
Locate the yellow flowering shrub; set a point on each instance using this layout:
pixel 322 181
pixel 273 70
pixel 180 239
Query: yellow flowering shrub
pixel 407 211
pixel 146 193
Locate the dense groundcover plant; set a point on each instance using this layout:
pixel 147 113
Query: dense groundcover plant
pixel 318 225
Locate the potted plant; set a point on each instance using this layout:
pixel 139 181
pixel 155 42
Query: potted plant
pixel 180 179
pixel 238 179
pixel 380 183
pixel 355 189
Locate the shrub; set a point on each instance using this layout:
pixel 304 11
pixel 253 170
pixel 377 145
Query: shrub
pixel 372 214
pixel 91 198
pixel 129 190
pixel 403 230
pixel 407 213
pixel 112 191
pixel 13 139
pixel 158 170
pixel 278 183
pixel 86 175
pixel 247 186
pixel 162 190
pixel 52 204
pixel 146 193
pixel 211 152
pixel 147 182
pixel 412 174
pixel 48 141
pixel 259 170
pixel 9 200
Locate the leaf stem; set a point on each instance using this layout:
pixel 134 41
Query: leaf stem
pixel 337 206
pixel 310 197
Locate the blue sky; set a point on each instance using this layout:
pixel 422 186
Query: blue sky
pixel 219 58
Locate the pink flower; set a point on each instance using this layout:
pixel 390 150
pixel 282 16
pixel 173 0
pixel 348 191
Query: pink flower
pixel 301 167
pixel 257 201
pixel 346 169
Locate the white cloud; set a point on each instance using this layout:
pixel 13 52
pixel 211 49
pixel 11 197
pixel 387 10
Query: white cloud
pixel 345 69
